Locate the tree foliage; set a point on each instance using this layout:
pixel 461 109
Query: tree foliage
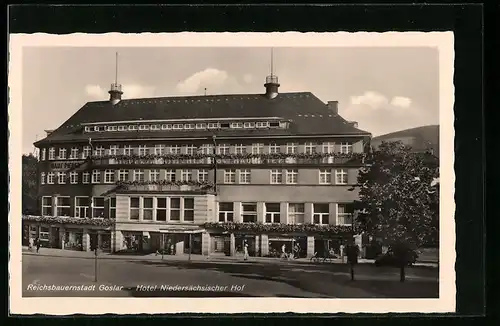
pixel 399 196
pixel 29 184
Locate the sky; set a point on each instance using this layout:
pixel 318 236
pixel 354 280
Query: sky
pixel 383 89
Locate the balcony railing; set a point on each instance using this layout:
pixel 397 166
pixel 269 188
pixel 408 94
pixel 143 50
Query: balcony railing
pixel 147 186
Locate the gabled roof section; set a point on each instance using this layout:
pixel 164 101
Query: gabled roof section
pixel 307 114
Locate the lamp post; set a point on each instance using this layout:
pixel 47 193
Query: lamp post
pixel 95 264
pixel 190 245
pixel 214 141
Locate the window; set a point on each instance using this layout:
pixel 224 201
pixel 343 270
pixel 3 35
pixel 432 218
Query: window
pixel 276 176
pixel 73 177
pixel 97 128
pixel 341 176
pixel 139 175
pixel 86 151
pixel 52 153
pixel 177 126
pixel 257 148
pixel 63 206
pixel 159 149
pixel 296 213
pixel 122 175
pixel 224 125
pixel 229 176
pixel 112 128
pixel 170 175
pixel 291 148
pixel 127 150
pixel 310 148
pixel 274 124
pixel 166 127
pixel 237 125
pixel 85 177
pixel 50 178
pixel 249 212
pixel 175 209
pixel 74 153
pixel 47 206
pixel 292 176
pixel 249 125
pixel 201 126
pixel 82 207
pixel 134 208
pixel 132 127
pixel 345 214
pixel 62 153
pixel 190 149
pixel 206 149
pixel 321 212
pixel 213 125
pixel 328 148
pixel 262 124
pixel 144 127
pixel 175 149
pixel 96 176
pixel 112 207
pixel 154 175
pixel 325 176
pixel 245 176
pixel 223 149
pixel 240 149
pixel 147 210
pixel 189 126
pixel 185 175
pixel 272 212
pixel 99 151
pixel 109 176
pixel 274 148
pixel 202 175
pixel 345 148
pixel 161 209
pixel 98 207
pixel 143 150
pixel 189 209
pixel 155 127
pixel 113 150
pixel 43 154
pixel 42 178
pixel 61 178
pixel 226 212
pixel 121 128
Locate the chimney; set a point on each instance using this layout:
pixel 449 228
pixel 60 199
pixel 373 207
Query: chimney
pixel 48 132
pixel 354 123
pixel 333 106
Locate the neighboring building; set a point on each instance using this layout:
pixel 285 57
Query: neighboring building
pixel 200 174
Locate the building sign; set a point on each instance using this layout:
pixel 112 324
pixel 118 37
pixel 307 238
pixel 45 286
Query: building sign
pixel 63 166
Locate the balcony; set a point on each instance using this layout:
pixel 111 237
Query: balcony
pixel 165 186
pixel 231 159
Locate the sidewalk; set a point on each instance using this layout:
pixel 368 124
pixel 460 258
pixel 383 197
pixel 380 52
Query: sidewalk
pixel 50 252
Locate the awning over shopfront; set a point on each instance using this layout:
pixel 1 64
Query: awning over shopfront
pixel 181 230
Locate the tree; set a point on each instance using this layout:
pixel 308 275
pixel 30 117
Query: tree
pixel 29 184
pixel 399 199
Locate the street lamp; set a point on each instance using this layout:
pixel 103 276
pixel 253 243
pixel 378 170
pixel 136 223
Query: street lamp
pixel 214 141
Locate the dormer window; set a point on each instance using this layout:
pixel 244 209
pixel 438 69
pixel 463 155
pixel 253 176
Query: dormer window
pixel 189 126
pixel 112 128
pixel 200 126
pixel 213 125
pixel 155 127
pixel 224 125
pixel 144 127
pixel 132 127
pixel 96 128
pixel 121 128
pixel 237 125
pixel 177 126
pixel 166 127
pixel 283 124
pixel 87 129
pixel 249 125
pixel 262 124
pixel 274 124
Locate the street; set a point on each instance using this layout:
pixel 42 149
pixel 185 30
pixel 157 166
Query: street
pixel 157 278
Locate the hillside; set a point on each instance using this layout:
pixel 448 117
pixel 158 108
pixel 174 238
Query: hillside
pixel 420 138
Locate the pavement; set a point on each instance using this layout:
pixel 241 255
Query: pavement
pixel 175 276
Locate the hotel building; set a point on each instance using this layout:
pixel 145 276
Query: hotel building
pixel 200 174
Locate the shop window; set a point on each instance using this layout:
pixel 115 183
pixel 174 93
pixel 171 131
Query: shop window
pixel 189 209
pixel 175 209
pixel 249 212
pixel 161 209
pixel 134 208
pixel 63 206
pixel 296 213
pixel 82 207
pixel 98 207
pixel 321 212
pixel 47 206
pixel 44 233
pixel 147 210
pixel 272 212
pixel 226 212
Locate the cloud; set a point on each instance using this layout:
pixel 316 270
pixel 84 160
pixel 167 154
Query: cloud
pixel 371 99
pixel 401 101
pixel 210 78
pixel 97 92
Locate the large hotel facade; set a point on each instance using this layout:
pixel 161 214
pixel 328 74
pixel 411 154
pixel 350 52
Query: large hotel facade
pixel 200 174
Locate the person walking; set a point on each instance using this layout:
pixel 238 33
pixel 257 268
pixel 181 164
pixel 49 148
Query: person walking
pixel 37 243
pixel 30 244
pixel 352 257
pixel 245 248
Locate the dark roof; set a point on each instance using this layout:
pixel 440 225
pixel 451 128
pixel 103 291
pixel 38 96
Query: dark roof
pixel 308 116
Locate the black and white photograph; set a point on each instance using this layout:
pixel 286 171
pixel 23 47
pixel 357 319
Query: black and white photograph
pixel 304 166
